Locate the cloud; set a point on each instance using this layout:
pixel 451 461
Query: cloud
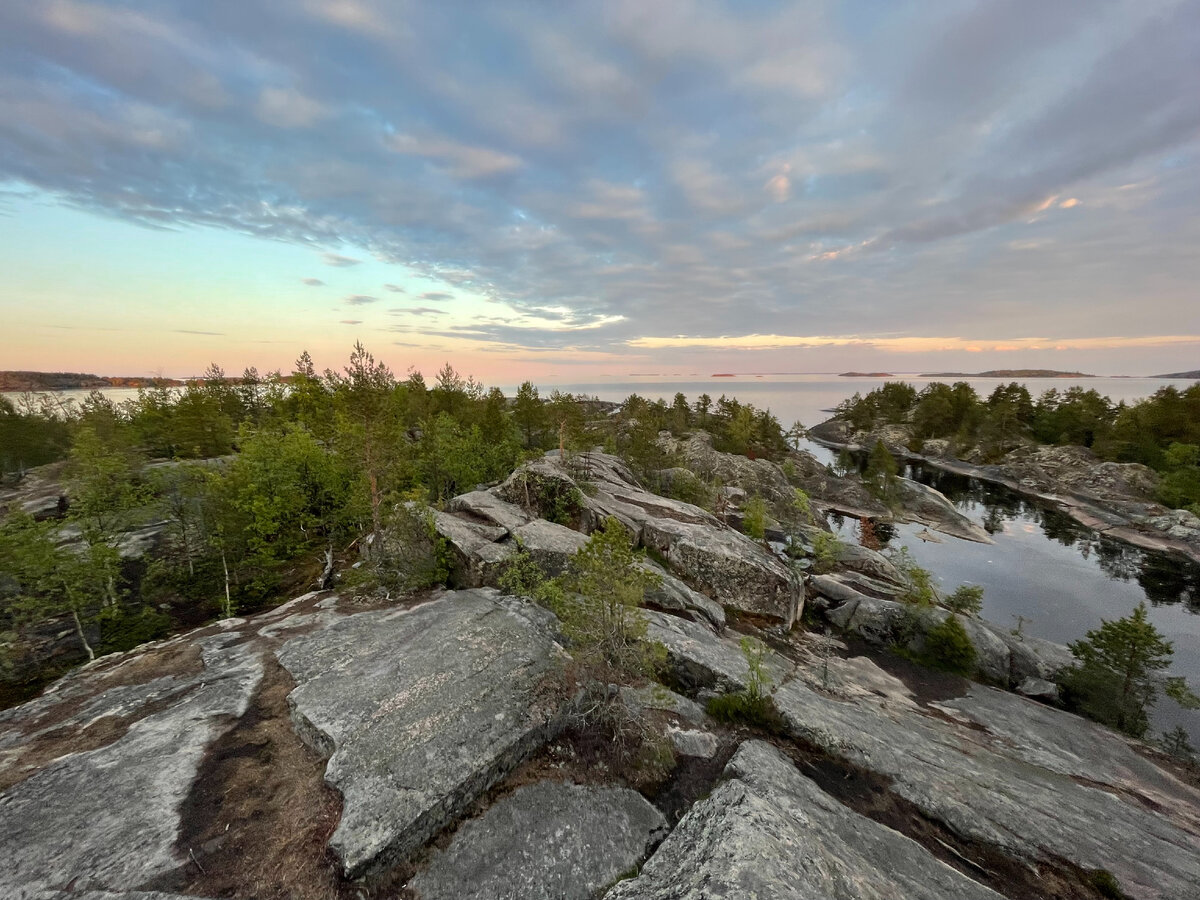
pixel 350 321
pixel 360 300
pixel 912 344
pixel 288 108
pixel 704 166
pixel 190 331
pixel 394 288
pixel 313 282
pixel 416 311
pixel 460 160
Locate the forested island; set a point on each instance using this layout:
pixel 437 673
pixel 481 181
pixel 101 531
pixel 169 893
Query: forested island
pixel 1009 373
pixel 1161 432
pixel 1195 374
pixel 15 382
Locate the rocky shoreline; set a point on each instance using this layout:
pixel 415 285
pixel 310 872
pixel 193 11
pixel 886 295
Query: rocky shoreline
pixel 1112 506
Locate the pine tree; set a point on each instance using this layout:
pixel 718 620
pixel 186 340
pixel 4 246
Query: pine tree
pixel 1116 680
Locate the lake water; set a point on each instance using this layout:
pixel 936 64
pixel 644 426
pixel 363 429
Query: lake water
pixel 1060 579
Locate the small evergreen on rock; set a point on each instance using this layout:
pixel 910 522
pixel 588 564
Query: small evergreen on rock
pixel 1117 680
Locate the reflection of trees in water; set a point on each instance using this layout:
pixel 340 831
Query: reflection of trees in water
pixel 1062 528
pixel 1166 579
pixel 1119 561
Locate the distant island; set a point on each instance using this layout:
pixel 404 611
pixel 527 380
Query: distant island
pixel 865 375
pixel 75 381
pixel 1009 373
pixel 1195 373
pixel 723 375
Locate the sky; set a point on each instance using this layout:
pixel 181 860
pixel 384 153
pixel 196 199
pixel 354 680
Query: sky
pixel 595 189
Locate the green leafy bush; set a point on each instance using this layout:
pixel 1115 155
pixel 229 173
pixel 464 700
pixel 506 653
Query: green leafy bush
pixel 919 589
pixel 602 592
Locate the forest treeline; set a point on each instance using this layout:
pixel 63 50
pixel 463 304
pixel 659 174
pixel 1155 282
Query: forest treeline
pixel 254 485
pixel 1162 431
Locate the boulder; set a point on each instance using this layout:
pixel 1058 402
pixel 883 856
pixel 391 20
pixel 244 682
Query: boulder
pixel 733 569
pixel 673 595
pixel 769 832
pixel 1031 657
pixel 544 841
pixel 1039 689
pixel 421 711
pixel 551 545
pixel 927 506
pixel 880 623
pixel 702 660
pixel 657 697
pixel 1001 657
pixel 689 742
pixel 755 477
pixel 487 507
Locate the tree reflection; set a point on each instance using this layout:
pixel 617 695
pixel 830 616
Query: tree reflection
pixel 1166 579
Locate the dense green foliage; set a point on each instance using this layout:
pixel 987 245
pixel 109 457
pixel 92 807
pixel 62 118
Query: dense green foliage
pixel 266 480
pixel 31 437
pixel 1162 431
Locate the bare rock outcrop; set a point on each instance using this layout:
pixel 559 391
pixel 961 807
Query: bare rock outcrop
pixel 545 841
pixel 769 832
pixel 421 710
pixel 107 818
pixel 710 564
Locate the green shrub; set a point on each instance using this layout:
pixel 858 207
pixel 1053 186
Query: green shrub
pixel 802 505
pixel 690 489
pixel 602 592
pixel 919 589
pixel 754 518
pixel 411 556
pixel 753 705
pixel 966 599
pixel 1106 884
pixel 523 577
pixel 827 550
pixel 948 647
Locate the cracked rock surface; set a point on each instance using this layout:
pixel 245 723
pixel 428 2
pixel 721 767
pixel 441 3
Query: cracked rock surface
pixel 545 841
pixel 421 711
pixel 770 833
